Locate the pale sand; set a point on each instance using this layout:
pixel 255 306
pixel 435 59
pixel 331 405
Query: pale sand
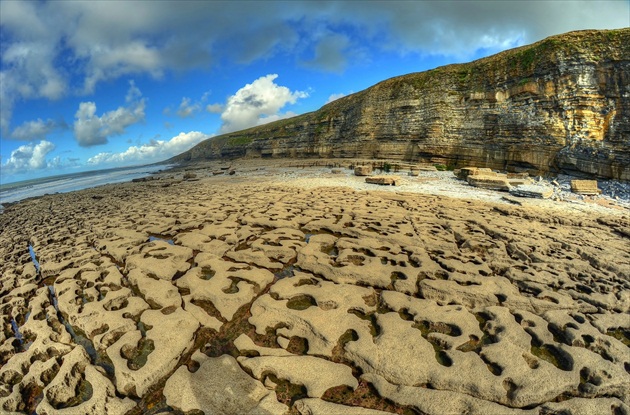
pixel 281 289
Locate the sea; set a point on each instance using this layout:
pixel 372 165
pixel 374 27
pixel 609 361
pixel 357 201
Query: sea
pixel 14 192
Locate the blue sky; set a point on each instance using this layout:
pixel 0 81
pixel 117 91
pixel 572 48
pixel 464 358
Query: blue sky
pixel 99 84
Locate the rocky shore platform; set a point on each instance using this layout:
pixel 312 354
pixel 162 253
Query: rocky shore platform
pixel 271 288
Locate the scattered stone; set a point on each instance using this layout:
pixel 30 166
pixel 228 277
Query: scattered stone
pixel 384 180
pixel 534 191
pixel 362 170
pixel 414 173
pixel 585 187
pixel 190 176
pixel 336 171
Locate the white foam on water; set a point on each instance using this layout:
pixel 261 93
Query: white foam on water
pixel 70 183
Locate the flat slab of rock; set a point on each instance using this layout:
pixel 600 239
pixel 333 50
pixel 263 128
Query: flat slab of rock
pixel 534 191
pixel 362 170
pixel 464 172
pixel 317 375
pixel 585 187
pixel 219 386
pixel 384 180
pixel 489 182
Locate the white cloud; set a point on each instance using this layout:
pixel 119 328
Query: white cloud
pixel 155 150
pixel 335 97
pixel 29 157
pixel 52 47
pixel 188 109
pixel 90 129
pixel 34 130
pixel 257 103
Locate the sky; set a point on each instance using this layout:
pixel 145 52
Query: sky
pixel 87 85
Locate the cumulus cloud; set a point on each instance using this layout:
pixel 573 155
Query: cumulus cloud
pixel 91 130
pixel 35 129
pixel 154 150
pixel 258 103
pixel 29 157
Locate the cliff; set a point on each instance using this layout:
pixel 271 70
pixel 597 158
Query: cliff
pixel 559 105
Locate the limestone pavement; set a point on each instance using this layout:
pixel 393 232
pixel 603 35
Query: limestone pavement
pixel 243 294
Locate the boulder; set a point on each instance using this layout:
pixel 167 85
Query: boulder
pixel 494 182
pixel 464 172
pixel 362 170
pixel 585 187
pixel 384 180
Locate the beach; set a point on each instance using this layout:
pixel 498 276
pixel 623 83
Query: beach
pixel 295 287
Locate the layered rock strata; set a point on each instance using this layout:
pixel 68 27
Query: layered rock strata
pixel 558 105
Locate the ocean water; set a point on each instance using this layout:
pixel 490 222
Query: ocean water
pixel 13 192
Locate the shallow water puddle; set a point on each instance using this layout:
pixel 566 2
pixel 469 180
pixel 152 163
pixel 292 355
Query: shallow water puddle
pixel 21 346
pixel 286 272
pixel 31 251
pixel 161 238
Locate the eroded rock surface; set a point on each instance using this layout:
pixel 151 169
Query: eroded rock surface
pixel 268 299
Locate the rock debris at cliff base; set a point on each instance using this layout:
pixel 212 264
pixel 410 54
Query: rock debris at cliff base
pixel 308 298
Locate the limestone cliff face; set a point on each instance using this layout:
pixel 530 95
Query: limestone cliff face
pixel 560 105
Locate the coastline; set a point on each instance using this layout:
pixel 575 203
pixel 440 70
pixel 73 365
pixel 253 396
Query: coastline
pixel 18 191
pixel 441 294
